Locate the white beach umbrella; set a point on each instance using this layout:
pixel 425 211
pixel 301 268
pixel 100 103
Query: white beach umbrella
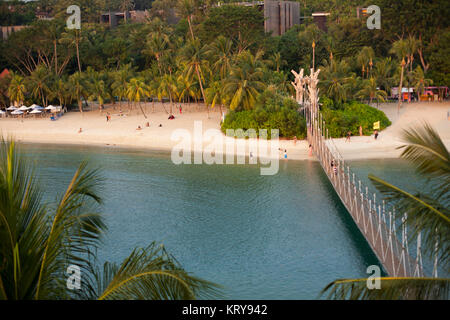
pixel 35 111
pixel 17 112
pixel 33 106
pixel 50 107
pixel 23 108
pixel 2 112
pixel 36 107
pixel 12 108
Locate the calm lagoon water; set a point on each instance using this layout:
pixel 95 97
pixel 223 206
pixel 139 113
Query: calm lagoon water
pixel 261 237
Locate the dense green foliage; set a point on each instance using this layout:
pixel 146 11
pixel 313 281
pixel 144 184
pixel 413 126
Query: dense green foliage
pixel 220 55
pixel 350 116
pixel 273 111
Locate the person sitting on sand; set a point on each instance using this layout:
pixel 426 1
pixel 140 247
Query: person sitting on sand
pixel 171 117
pixel 147 124
pixel 139 128
pixel 160 125
pixel 79 131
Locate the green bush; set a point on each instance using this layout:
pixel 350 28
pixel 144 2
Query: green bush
pixel 272 111
pixel 353 115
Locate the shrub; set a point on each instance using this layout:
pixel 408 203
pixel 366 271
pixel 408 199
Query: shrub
pixel 353 115
pixel 272 111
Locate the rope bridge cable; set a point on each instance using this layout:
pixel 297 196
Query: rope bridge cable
pixel 377 226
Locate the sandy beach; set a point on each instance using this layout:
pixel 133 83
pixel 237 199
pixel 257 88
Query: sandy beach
pixel 121 131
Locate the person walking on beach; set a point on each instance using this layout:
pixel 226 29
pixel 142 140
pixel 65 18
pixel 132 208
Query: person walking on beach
pixel 285 154
pixel 349 134
pixel 295 140
pixel 181 109
pixel 360 131
pixel 376 134
pixel 310 150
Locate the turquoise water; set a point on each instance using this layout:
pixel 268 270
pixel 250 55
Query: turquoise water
pixel 261 237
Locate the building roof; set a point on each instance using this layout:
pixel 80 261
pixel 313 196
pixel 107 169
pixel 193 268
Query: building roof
pixel 4 73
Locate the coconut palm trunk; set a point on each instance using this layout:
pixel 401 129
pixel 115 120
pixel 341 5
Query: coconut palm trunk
pixel 400 87
pixel 201 88
pixel 142 110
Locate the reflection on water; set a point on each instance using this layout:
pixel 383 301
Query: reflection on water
pixel 261 237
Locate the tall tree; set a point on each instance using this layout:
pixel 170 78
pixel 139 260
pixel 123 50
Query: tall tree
pixel 17 89
pixel 193 57
pixel 400 49
pixel 244 83
pixel 73 37
pixel 137 91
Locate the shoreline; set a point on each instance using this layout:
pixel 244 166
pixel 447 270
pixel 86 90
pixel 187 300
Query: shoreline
pixel 121 132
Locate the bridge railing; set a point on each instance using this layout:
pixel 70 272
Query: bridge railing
pixel 378 225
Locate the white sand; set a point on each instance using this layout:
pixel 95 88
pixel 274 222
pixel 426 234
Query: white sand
pixel 121 131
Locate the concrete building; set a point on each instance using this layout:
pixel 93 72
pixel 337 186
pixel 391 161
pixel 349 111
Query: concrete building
pixel 280 16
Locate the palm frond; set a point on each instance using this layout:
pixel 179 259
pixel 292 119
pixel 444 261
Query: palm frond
pixel 390 289
pixel 151 273
pixel 424 215
pixel 426 151
pixel 75 228
pixel 22 224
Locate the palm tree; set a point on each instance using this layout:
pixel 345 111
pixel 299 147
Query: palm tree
pixel 16 89
pixel 412 45
pixel 126 5
pixel 400 49
pixel 38 80
pixel 419 80
pixel 156 46
pixel 72 37
pixel 59 90
pixel 364 59
pixel 220 55
pixel 277 61
pixel 193 57
pixel 77 88
pixel 215 94
pixel 121 79
pixel 427 214
pixel 370 90
pixel 96 87
pixel 186 9
pixel 167 87
pixel 244 83
pixel 136 91
pixel 38 242
pixel 383 73
pixel 312 34
pixel 336 80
